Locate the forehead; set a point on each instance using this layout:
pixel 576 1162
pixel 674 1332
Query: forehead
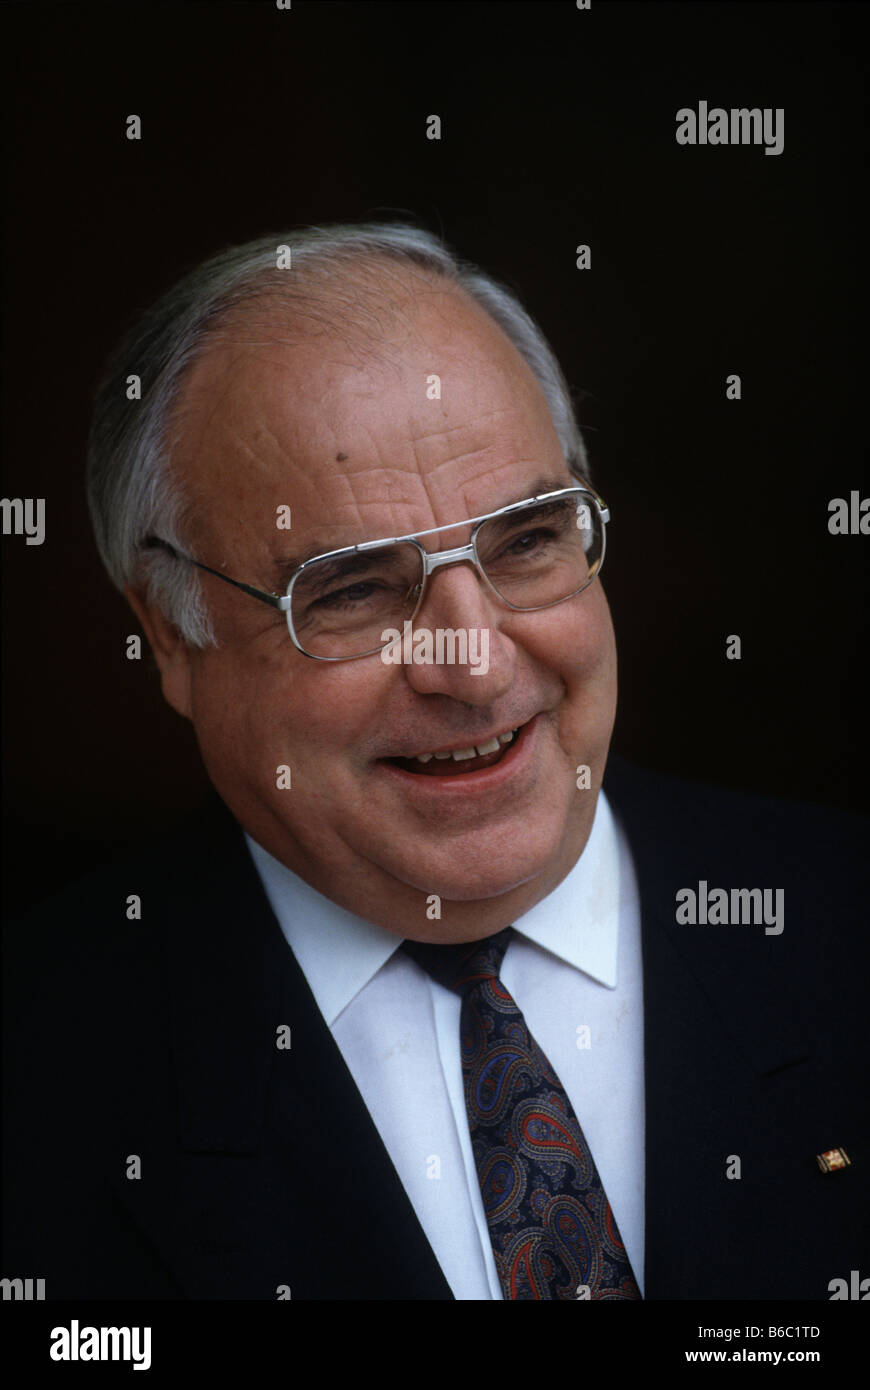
pixel 359 429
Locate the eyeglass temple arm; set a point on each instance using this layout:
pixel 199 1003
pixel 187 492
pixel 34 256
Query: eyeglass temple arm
pixel 273 600
pixel 282 602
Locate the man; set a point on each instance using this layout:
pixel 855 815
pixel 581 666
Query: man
pixel 273 1095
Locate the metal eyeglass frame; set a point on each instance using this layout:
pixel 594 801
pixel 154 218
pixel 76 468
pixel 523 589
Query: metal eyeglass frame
pixel 432 560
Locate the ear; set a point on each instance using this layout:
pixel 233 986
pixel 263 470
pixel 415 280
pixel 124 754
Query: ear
pixel 171 652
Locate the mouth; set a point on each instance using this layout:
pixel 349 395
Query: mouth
pixel 462 760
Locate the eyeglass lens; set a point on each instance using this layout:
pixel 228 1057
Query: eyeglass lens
pixel 532 557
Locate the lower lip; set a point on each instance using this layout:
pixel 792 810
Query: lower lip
pixel 516 760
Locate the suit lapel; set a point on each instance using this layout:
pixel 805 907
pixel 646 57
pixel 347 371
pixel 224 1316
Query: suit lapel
pixel 278 1177
pixel 718 1058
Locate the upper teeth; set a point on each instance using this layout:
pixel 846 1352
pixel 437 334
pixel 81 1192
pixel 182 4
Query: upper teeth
pixel 475 751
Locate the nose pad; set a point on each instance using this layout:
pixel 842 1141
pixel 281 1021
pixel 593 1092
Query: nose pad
pixel 411 600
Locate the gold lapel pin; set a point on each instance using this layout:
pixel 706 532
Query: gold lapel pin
pixel 832 1159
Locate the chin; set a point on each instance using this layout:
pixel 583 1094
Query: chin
pixel 477 876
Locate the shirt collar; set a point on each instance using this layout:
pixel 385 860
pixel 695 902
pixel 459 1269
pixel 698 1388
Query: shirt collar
pixel 339 952
pixel 579 920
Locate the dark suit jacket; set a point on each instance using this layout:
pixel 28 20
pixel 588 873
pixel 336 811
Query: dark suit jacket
pixel 262 1168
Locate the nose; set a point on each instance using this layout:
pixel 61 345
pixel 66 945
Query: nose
pixel 459 606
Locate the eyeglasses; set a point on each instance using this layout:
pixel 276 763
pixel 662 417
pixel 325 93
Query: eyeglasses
pixel 531 554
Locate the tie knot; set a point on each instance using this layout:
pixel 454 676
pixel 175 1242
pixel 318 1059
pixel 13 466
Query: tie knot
pixel 461 967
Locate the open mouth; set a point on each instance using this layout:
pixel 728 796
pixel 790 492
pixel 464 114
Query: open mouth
pixel 458 761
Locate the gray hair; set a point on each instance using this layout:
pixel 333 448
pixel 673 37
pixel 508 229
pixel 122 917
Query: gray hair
pixel 132 491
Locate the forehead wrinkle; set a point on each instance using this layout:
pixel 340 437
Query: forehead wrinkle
pixel 228 356
pixel 430 474
pixel 200 438
pixel 366 487
pixel 463 425
pixel 355 528
pixel 379 487
pixel 286 562
pixel 200 391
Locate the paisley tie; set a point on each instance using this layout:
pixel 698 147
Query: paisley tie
pixel 552 1231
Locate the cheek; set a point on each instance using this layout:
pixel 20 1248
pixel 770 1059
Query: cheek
pixel 576 641
pixel 267 708
pixel 229 703
pixel 579 648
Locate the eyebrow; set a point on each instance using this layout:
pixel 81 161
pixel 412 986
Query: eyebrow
pixel 284 566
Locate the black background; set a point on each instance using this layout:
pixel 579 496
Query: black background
pixel 558 128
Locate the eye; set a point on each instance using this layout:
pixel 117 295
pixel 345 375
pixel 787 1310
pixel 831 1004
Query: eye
pixel 351 593
pixel 528 540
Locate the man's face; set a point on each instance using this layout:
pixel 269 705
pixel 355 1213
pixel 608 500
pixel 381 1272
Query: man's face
pixel 351 443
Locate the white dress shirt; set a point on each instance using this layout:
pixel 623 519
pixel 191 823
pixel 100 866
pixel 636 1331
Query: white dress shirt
pixel 574 969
